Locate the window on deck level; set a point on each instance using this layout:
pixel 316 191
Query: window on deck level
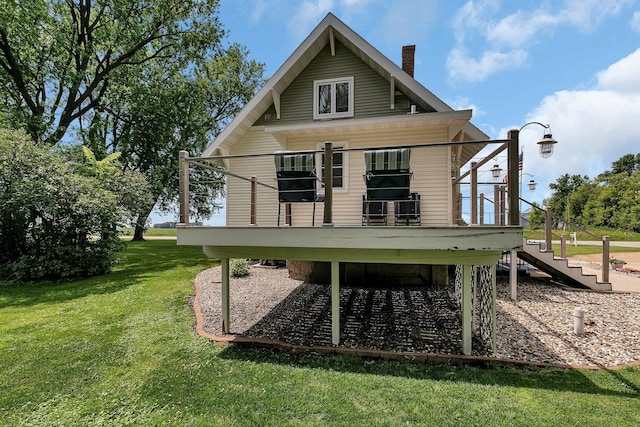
pixel 333 98
pixel 339 159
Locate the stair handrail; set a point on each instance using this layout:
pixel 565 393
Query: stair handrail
pixel 605 239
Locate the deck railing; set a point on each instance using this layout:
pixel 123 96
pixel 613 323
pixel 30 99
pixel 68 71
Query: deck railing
pixel 503 216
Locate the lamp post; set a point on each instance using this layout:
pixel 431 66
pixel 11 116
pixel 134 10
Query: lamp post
pixel 547 142
pixel 546 150
pixel 532 184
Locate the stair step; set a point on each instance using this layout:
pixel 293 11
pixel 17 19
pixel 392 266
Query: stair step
pixel 559 267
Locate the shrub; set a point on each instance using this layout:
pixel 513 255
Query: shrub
pixel 58 218
pixel 239 267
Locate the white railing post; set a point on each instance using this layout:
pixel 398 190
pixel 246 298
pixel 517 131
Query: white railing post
pixel 254 199
pixel 513 181
pixel 327 220
pixel 474 193
pixel 605 258
pixel 548 220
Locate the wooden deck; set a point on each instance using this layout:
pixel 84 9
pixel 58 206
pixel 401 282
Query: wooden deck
pixel 394 245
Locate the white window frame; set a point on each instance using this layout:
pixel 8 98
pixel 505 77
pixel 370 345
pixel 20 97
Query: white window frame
pixel 333 114
pixel 345 164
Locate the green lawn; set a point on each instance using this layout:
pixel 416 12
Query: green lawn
pixel 120 350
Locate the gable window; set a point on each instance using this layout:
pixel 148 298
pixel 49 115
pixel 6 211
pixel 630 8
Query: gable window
pixel 333 98
pixel 339 167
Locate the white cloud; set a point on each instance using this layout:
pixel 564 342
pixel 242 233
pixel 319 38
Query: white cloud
pixel 352 3
pixel 623 76
pixel 463 67
pixel 593 127
pixel 464 103
pixel 587 14
pixel 257 12
pixel 520 28
pixel 308 15
pixel 478 23
pixel 407 20
pixel 635 21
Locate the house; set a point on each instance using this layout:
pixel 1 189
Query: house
pixel 337 107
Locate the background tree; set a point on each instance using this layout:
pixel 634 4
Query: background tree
pixel 629 163
pixel 536 217
pixel 146 79
pixel 155 110
pixel 57 58
pixel 616 203
pixel 59 210
pixel 563 188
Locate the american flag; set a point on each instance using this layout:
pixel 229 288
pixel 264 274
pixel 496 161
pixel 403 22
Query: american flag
pixel 520 161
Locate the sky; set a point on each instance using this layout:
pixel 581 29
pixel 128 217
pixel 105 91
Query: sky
pixel 571 64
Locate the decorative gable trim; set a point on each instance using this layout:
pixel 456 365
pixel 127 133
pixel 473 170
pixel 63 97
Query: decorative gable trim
pixel 330 28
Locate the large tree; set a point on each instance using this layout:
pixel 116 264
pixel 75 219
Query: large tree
pixel 563 188
pixel 144 78
pixel 157 109
pixel 58 57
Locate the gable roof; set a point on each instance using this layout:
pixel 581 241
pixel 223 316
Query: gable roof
pixel 331 26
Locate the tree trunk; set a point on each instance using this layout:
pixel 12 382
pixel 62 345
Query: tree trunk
pixel 138 233
pixel 141 222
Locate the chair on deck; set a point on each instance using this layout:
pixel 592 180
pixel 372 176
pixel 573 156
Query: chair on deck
pixel 296 175
pixel 387 177
pixel 407 212
pixel 373 211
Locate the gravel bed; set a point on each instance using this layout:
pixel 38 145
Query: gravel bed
pixel 538 327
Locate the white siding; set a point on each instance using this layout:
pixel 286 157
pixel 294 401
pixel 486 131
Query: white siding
pixel 430 166
pixel 256 141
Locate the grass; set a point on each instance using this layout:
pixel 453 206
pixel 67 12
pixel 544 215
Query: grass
pixel 614 235
pixel 120 350
pixel 151 232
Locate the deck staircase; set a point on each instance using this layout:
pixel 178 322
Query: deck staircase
pixel 533 253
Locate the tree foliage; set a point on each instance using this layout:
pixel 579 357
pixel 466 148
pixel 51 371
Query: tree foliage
pixel 57 58
pixel 536 217
pixel 59 210
pixel 563 188
pixel 144 78
pixel 158 109
pixel 612 200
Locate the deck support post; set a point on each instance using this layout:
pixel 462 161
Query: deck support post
pixel 335 302
pixel 494 301
pixel 466 309
pixel 224 263
pixel 513 276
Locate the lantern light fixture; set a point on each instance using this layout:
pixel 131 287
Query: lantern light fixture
pixel 495 171
pixel 547 142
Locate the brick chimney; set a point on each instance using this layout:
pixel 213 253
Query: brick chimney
pixel 408 53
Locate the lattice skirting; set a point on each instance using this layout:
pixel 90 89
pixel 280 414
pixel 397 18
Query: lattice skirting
pixel 483 297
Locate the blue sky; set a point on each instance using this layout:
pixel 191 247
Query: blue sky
pixel 574 64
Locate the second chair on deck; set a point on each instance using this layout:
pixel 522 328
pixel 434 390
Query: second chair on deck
pixel 387 178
